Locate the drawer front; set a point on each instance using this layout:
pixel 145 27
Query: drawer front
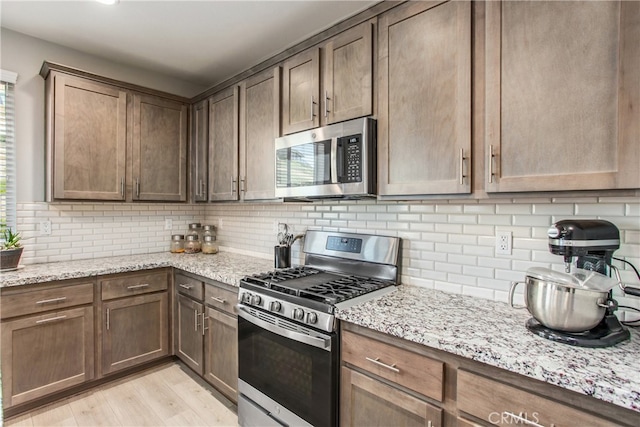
pixel 189 286
pixel 501 404
pixel 39 300
pixel 136 284
pixel 221 298
pixel 411 370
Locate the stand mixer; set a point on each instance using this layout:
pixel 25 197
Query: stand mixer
pixel 591 243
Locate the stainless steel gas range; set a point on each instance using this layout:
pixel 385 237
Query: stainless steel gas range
pixel 288 343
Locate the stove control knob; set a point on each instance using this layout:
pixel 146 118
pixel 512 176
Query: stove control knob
pixel 245 297
pixel 312 318
pixel 298 314
pixel 275 306
pixel 256 300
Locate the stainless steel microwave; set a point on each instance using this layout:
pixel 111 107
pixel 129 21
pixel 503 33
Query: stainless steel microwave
pixel 338 160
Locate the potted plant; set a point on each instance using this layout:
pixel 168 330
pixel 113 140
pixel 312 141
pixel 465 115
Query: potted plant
pixel 10 249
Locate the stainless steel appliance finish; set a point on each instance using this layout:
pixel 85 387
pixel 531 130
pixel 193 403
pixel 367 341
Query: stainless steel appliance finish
pixel 336 161
pixel 288 344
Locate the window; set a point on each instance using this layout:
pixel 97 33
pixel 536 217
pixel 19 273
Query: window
pixel 7 151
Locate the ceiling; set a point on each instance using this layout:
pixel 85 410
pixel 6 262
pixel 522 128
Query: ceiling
pixel 202 42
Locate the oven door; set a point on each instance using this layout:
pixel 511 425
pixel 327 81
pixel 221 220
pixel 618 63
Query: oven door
pixel 295 370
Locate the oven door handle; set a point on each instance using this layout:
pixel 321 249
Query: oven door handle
pixel 322 343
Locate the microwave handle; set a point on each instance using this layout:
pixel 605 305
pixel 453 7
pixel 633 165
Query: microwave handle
pixel 335 165
pixel 339 161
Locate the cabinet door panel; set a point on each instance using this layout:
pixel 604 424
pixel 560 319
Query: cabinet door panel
pixel 301 92
pixel 223 145
pixel 189 333
pixel 46 353
pixel 221 353
pixel 259 126
pixel 134 330
pixel 159 149
pixel 425 99
pixel 200 151
pixel 348 75
pixel 369 402
pixel 561 79
pixel 90 126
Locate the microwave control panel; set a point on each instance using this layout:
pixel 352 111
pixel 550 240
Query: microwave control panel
pixel 352 151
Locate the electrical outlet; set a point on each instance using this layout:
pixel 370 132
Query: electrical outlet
pixel 168 224
pixel 220 224
pixel 503 243
pixel 45 228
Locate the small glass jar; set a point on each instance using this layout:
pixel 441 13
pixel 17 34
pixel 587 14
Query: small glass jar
pixel 209 246
pixel 177 244
pixel 195 229
pixel 209 230
pixel 192 245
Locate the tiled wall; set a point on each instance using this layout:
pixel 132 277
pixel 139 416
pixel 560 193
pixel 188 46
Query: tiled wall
pixel 447 245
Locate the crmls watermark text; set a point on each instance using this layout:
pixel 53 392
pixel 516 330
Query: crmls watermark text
pixel 522 418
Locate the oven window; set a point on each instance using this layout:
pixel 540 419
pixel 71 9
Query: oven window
pixel 304 165
pixel 300 377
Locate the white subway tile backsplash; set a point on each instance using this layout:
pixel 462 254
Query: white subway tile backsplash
pixel 596 209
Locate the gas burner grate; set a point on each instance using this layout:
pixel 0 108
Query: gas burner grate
pixel 342 289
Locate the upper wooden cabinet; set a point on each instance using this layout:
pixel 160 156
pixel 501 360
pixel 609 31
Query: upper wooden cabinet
pixel 89 125
pixel 110 140
pixel 424 99
pixel 199 149
pixel 159 149
pixel 223 145
pixel 345 91
pixel 259 126
pixel 562 95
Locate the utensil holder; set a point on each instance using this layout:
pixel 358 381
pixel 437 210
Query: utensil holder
pixel 282 256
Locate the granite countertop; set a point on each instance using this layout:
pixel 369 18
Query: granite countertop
pixel 494 333
pixel 226 267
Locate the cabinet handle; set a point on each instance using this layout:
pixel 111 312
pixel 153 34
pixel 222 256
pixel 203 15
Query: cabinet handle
pixel 133 287
pixel 233 185
pixel 522 419
pixel 203 319
pixel 462 159
pixel 122 187
pixel 429 423
pixel 137 187
pixel 326 101
pixel 242 189
pixel 384 365
pixel 51 319
pixel 187 287
pixel 312 104
pixel 195 320
pixel 108 320
pixel 201 189
pixel 48 301
pixel 221 301
pixel 490 162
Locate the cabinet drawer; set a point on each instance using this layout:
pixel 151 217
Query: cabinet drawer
pixel 501 404
pixel 409 369
pixel 221 298
pixel 189 286
pixel 133 285
pixel 39 300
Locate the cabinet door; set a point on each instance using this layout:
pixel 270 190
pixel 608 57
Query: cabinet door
pixel 199 151
pixel 259 126
pixel 134 330
pixel 365 401
pixel 89 140
pixel 223 145
pixel 348 75
pixel 159 149
pixel 301 92
pixel 189 334
pixel 221 353
pixel 46 353
pixel 424 123
pixel 563 85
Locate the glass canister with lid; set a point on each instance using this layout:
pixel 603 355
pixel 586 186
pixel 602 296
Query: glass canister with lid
pixel 209 245
pixel 177 244
pixel 209 230
pixel 195 229
pixel 192 245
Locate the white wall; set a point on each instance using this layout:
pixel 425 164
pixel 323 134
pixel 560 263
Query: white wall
pixel 24 55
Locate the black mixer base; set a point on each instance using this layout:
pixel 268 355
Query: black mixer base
pixel 606 334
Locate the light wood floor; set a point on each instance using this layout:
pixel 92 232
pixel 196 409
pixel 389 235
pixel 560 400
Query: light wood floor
pixel 168 395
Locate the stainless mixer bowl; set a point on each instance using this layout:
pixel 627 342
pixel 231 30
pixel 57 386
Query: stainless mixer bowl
pixel 561 307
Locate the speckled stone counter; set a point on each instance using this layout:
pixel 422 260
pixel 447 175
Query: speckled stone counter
pixel 494 333
pixel 226 267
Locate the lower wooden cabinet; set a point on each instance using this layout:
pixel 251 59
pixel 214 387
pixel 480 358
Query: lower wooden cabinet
pixel 221 352
pixel 366 401
pixel 189 332
pixel 46 353
pixel 134 330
